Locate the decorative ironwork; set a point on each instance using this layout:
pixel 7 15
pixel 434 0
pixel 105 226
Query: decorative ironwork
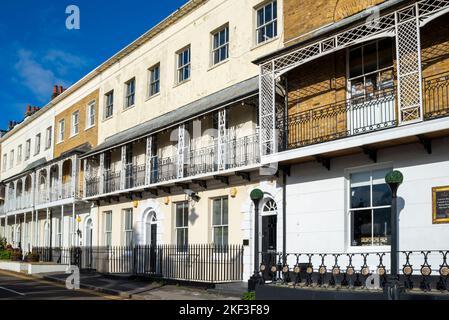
pixel 342 119
pixel 298 269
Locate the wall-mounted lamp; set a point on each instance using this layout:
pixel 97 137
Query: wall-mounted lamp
pixel 192 195
pixel 233 192
pixel 167 201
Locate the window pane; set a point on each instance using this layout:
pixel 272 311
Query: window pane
pixel 370 85
pixel 381 195
pixel 268 13
pixel 361 228
pixel 370 57
pixel 217 212
pixel 260 17
pixel 360 197
pixel 186 216
pixel 225 236
pixel 269 31
pixel 355 62
pixel 218 236
pixel 225 211
pixel 385 53
pixel 382 227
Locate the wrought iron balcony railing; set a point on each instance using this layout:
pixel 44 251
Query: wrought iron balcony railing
pixel 111 181
pixel 361 115
pixel 426 270
pixel 134 176
pixel 436 96
pixel 238 152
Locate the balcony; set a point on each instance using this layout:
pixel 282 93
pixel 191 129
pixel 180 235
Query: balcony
pixel 238 152
pixel 374 112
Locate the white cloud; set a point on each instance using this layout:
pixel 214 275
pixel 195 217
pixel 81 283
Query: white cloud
pixel 36 76
pixel 63 62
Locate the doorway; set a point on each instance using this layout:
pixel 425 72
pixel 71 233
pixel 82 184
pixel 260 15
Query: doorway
pixel 269 238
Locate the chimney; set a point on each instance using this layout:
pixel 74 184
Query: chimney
pixel 61 89
pixel 55 92
pixel 28 113
pixel 11 125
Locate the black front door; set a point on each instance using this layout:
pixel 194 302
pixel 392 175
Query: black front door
pixel 269 245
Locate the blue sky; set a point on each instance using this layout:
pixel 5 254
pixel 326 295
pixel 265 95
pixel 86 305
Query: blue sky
pixel 38 51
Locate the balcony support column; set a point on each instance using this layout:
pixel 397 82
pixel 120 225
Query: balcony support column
pixel 101 173
pixel 61 231
pixel 123 168
pixel 73 175
pixel 48 183
pixel 222 139
pixel 85 168
pixel 181 150
pixel 409 72
pixel 148 160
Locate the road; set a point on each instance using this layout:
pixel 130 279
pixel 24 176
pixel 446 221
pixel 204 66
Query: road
pixel 18 287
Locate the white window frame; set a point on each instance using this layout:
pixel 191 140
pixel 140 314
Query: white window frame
pixel 221 225
pixel 109 104
pixel 265 24
pixel 19 154
pixel 11 159
pixel 5 162
pixel 28 149
pixel 217 49
pixel 48 137
pixel 61 130
pixel 129 94
pixel 348 172
pixel 154 81
pixel 185 224
pixel 75 124
pixel 108 228
pixel 91 114
pixel 37 144
pixel 128 231
pixel 184 66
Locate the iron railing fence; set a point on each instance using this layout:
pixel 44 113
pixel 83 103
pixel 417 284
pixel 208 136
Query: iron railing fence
pixel 112 180
pixel 243 152
pixel 205 263
pixel 436 96
pixel 371 112
pixel 134 176
pixel 92 186
pixel 426 270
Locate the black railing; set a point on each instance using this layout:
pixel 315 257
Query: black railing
pixel 436 96
pixel 425 270
pixel 340 120
pixel 112 180
pixel 134 176
pixel 196 263
pixel 164 169
pixel 243 151
pixel 92 186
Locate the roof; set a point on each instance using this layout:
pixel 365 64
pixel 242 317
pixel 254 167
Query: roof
pixel 216 100
pixel 147 36
pixel 331 28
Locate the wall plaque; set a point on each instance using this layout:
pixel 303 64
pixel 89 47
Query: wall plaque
pixel 440 204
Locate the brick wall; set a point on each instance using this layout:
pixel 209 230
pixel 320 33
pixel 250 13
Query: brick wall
pixel 84 135
pixel 303 16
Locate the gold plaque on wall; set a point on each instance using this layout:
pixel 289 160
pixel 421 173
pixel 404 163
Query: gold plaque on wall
pixel 440 204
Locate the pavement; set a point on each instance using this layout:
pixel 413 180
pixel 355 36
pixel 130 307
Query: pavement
pixel 15 286
pixel 127 287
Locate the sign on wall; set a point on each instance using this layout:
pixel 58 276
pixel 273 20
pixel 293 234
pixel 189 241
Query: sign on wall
pixel 440 204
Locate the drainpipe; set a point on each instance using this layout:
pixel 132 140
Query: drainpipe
pixel 284 215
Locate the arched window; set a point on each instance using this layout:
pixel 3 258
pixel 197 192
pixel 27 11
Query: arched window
pixel 270 208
